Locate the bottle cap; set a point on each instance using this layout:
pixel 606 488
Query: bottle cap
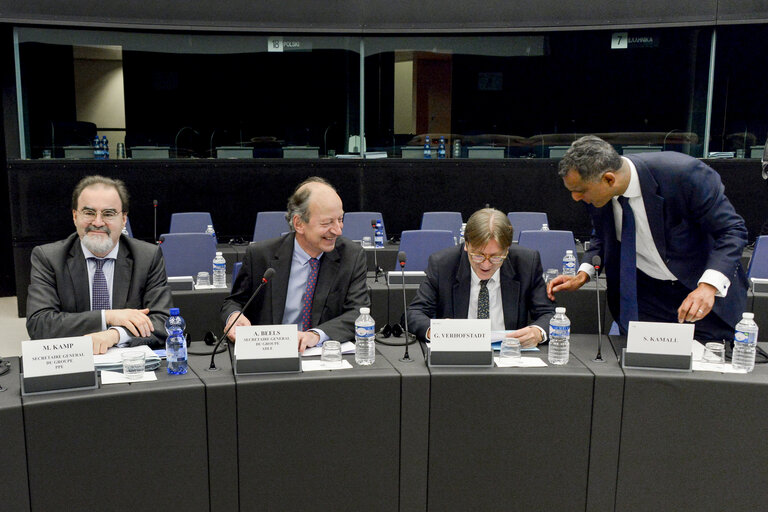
pixel 174 311
pixel 365 311
pixel 560 310
pixel 748 316
pixel 569 252
pixel 218 253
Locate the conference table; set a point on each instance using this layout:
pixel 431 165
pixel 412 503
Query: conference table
pixel 394 436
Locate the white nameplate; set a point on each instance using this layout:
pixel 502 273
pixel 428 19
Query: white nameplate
pixel 267 342
pixel 660 338
pixel 453 335
pixel 57 356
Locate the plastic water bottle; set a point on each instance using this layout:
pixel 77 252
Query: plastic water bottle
pixel 96 148
pixel 175 343
pixel 104 148
pixel 365 338
pixel 569 263
pixel 744 343
pixel 427 148
pixel 559 337
pixel 209 231
pixel 441 148
pixel 219 271
pixel 545 227
pixel 378 236
pixel 456 148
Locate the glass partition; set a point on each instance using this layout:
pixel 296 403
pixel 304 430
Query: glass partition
pixel 187 95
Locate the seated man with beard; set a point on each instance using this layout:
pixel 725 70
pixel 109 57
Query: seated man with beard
pixel 97 282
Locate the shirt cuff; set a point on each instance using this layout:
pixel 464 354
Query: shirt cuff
pixel 323 337
pixel 543 333
pixel 124 336
pixel 589 269
pixel 716 279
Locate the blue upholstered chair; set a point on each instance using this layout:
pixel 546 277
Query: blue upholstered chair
pixel 418 245
pixel 758 265
pixel 269 225
pixel 526 221
pixel 551 246
pixel 443 220
pixel 186 254
pixel 358 224
pixel 190 222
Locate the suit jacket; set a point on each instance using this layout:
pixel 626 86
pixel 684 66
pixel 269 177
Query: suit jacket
pixel 340 291
pixel 693 224
pixel 445 292
pixel 59 302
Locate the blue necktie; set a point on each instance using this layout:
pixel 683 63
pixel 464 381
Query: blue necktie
pixel 628 267
pixel 305 317
pixel 100 292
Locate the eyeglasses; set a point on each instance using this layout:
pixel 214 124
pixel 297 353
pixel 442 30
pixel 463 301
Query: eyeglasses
pixel 107 215
pixel 480 258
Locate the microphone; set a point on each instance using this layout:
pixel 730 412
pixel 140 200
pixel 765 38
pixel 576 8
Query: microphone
pixel 596 263
pixel 154 206
pixel 264 280
pixel 378 269
pixel 401 258
pixel 181 130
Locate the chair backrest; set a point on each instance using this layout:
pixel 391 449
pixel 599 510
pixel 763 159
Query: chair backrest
pixel 269 225
pixel 525 221
pixel 419 244
pixel 128 227
pixel 758 265
pixel 235 269
pixel 186 254
pixel 358 224
pixel 443 220
pixel 190 222
pixel 551 246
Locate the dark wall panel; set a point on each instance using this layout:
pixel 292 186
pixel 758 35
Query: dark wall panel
pixel 742 10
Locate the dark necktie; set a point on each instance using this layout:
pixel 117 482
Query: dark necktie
pixel 305 317
pixel 628 267
pixel 100 291
pixel 482 300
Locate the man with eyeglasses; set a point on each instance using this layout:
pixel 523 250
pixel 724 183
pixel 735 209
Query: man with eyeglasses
pixel 485 278
pixel 97 282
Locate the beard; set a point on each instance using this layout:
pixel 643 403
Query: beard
pixel 98 245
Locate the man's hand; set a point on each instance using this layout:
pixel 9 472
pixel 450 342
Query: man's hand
pixel 529 336
pixel 566 284
pixel 697 304
pixel 102 340
pixel 135 320
pixel 243 320
pixel 308 339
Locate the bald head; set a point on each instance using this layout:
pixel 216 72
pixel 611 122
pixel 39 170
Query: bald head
pixel 488 224
pixel 316 214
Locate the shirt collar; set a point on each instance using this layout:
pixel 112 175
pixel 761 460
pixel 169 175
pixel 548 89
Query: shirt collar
pixel 633 188
pixel 111 255
pixel 300 255
pixel 476 280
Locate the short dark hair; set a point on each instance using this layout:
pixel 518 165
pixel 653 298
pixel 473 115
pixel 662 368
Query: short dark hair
pixel 89 181
pixel 298 203
pixel 590 156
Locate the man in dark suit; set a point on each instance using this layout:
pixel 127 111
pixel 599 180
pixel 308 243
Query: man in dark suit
pixel 485 278
pixel 319 281
pixel 97 282
pixel 682 256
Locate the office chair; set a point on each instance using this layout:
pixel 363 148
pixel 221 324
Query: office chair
pixel 269 225
pixel 524 221
pixel 418 245
pixel 190 222
pixel 443 220
pixel 758 265
pixel 358 224
pixel 186 254
pixel 551 246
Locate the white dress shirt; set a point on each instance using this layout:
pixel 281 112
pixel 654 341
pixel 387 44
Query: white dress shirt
pixel 648 258
pixel 109 274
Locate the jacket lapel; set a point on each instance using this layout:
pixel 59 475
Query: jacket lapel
pixel 510 294
pixel 78 273
pixel 461 287
pixel 121 281
pixel 281 262
pixel 654 206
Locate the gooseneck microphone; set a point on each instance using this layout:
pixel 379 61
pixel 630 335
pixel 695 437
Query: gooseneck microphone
pixel 401 259
pixel 264 280
pixel 154 207
pixel 378 270
pixel 596 263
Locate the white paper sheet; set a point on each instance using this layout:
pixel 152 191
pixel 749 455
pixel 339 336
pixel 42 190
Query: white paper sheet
pixel 346 348
pixel 524 362
pixel 314 365
pixel 108 377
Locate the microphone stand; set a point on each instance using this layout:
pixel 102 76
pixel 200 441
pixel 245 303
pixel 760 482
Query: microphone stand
pixel 154 207
pixel 264 280
pixel 378 269
pixel 599 357
pixel 406 357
